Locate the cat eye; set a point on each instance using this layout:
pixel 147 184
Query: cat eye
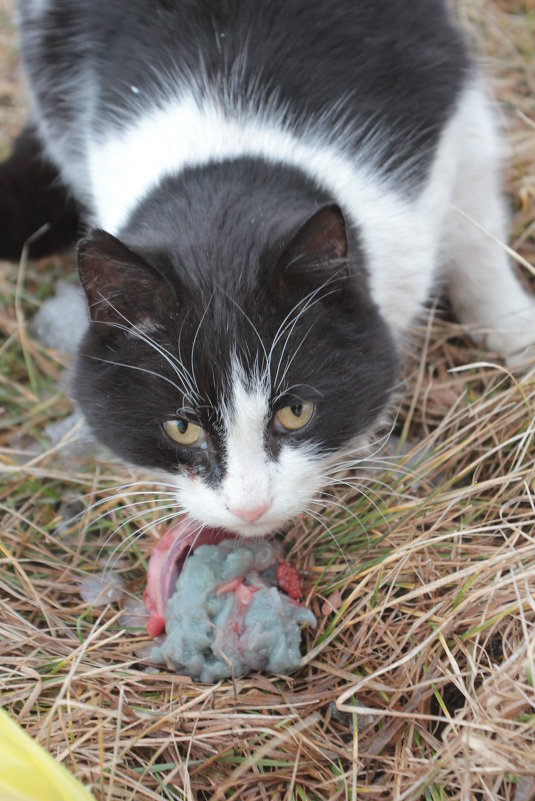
pixel 184 432
pixel 294 417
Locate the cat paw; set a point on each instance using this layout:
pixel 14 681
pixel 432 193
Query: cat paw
pixel 514 337
pixel 521 361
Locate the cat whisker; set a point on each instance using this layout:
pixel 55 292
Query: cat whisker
pixel 133 537
pixel 362 471
pixel 246 317
pixel 288 389
pixel 356 486
pixel 293 315
pixel 147 482
pixel 320 519
pixel 205 312
pixel 122 507
pixel 355 460
pixel 196 536
pixel 279 381
pixel 138 513
pixel 178 367
pixel 118 490
pixel 117 496
pixel 377 465
pixel 290 361
pixel 289 320
pixel 333 501
pixel 135 367
pixel 305 305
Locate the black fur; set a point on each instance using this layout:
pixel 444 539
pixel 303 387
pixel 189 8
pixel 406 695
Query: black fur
pixel 32 196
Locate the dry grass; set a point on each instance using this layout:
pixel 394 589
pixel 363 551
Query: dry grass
pixel 426 621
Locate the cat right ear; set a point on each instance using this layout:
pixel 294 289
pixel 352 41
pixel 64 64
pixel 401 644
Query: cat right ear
pixel 315 256
pixel 122 289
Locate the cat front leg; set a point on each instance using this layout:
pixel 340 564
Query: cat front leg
pixel 31 196
pixel 484 290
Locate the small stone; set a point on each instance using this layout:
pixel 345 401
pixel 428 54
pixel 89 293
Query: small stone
pixel 101 589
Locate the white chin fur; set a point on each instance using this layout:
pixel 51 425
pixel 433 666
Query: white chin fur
pixel 294 479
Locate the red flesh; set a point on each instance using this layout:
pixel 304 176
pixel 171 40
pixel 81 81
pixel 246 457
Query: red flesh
pixel 165 563
pixel 288 580
pixel 229 586
pixel 244 595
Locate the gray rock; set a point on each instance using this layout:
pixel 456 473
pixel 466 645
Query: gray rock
pixel 62 320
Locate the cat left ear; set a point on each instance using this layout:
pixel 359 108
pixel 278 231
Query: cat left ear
pixel 121 287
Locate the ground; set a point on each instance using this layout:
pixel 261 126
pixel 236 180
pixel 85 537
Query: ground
pixel 423 583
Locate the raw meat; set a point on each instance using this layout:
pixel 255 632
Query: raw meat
pixel 221 608
pixel 166 560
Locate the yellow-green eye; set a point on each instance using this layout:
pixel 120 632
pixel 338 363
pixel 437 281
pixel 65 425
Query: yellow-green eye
pixel 294 417
pixel 183 432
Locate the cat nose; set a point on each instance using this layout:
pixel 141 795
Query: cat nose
pixel 250 513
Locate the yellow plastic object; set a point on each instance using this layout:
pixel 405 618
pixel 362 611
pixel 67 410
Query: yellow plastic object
pixel 28 773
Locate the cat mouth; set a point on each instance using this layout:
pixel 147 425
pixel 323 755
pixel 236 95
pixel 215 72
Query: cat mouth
pixel 166 561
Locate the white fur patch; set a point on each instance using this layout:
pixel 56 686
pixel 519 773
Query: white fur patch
pixel 247 481
pixel 252 479
pixel 294 479
pixel 190 132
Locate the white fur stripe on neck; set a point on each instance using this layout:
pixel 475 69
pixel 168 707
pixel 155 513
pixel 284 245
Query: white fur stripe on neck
pixel 128 163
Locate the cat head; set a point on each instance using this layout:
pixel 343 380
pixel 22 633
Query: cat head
pixel 244 382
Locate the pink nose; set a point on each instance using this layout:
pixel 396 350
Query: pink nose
pixel 250 513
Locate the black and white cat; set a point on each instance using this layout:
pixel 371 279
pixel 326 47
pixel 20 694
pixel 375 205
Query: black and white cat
pixel 270 190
